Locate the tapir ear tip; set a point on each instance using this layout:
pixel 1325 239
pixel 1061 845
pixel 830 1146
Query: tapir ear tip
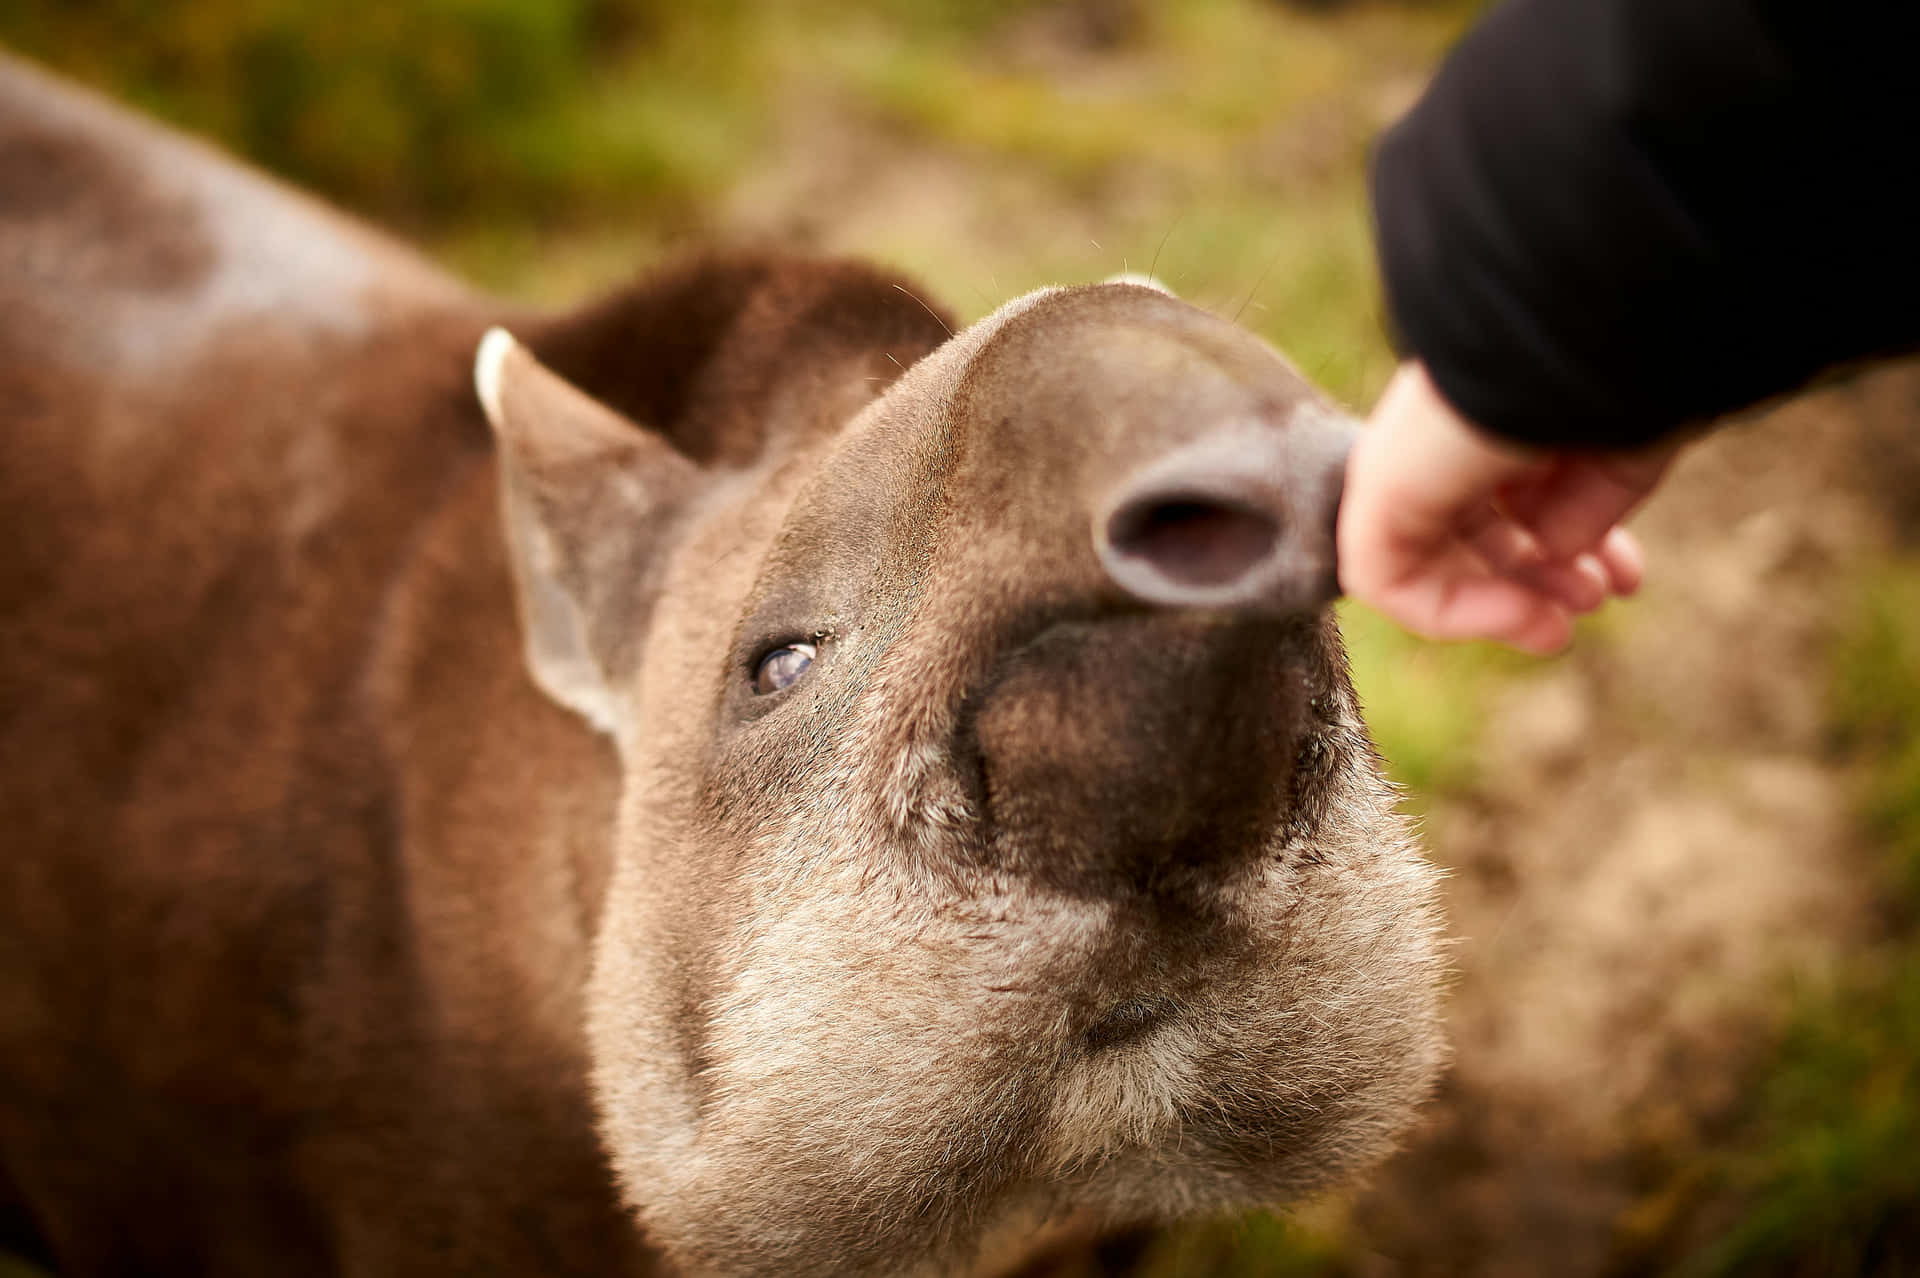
pixel 1142 279
pixel 489 363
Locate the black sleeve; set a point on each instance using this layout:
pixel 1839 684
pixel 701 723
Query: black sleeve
pixel 1607 218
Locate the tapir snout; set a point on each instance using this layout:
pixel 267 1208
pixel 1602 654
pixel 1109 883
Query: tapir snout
pixel 1163 563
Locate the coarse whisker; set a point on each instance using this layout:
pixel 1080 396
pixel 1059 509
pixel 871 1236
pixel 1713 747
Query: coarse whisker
pixel 928 309
pixel 1161 246
pixel 1254 291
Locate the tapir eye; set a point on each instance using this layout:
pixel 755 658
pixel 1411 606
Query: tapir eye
pixel 782 667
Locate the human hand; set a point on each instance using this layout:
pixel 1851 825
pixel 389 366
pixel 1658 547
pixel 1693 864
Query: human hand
pixel 1458 535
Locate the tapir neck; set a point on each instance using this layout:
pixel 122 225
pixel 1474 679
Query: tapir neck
pixel 507 800
pixel 505 803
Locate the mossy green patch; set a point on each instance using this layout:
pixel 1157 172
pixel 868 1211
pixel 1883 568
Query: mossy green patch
pixel 1876 699
pixel 409 110
pixel 1183 99
pixel 1827 1165
pixel 1225 136
pixel 1257 1245
pixel 1829 1169
pixel 1424 701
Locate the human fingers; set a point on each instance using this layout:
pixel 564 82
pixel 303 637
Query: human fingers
pixel 1579 585
pixel 1415 477
pixel 1572 505
pixel 1622 560
pixel 1615 567
pixel 1457 596
pixel 1454 596
pixel 1421 539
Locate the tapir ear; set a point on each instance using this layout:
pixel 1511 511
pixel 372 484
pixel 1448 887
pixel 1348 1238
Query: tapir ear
pixel 588 500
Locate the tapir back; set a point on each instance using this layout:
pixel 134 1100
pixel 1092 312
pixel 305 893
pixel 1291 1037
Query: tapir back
pixel 230 423
pixel 183 348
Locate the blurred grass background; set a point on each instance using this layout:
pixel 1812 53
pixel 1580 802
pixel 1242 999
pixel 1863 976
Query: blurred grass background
pixel 547 148
pixel 1828 1171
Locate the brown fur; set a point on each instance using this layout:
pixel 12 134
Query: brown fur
pixel 328 942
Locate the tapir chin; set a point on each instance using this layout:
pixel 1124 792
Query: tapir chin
pixel 733 780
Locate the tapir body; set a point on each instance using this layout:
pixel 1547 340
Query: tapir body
pixel 703 801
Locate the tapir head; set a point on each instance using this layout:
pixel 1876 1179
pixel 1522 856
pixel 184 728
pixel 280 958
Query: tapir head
pixel 999 834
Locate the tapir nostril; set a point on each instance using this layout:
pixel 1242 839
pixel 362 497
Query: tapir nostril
pixel 1241 517
pixel 1188 541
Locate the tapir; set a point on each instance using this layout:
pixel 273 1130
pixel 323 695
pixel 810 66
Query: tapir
pixel 735 779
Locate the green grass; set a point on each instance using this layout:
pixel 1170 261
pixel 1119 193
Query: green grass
pixel 1876 697
pixel 1424 701
pixel 442 112
pixel 410 111
pixel 1181 100
pixel 1827 1167
pixel 1833 1172
pixel 1222 146
pixel 1257 1245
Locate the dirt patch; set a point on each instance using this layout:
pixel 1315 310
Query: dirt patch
pixel 1658 848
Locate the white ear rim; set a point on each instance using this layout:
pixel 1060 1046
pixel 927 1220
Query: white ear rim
pixel 487 365
pixel 564 674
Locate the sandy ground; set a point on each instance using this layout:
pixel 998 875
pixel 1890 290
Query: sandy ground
pixel 1659 848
